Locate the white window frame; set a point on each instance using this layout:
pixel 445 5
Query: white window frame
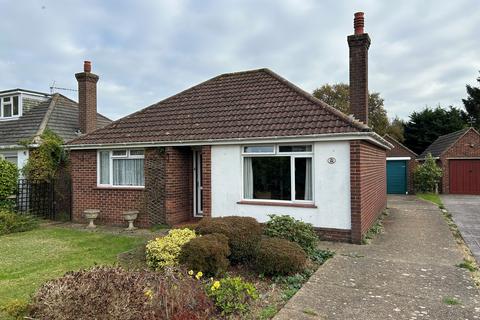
pixel 276 153
pixel 20 108
pixel 110 167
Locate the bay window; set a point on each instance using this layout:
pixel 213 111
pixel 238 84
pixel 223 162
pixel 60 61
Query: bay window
pixel 279 173
pixel 123 168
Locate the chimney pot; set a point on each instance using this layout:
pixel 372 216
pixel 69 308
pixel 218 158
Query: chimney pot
pixel 87 66
pixel 359 22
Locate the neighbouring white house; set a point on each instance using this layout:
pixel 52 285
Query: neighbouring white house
pixel 24 116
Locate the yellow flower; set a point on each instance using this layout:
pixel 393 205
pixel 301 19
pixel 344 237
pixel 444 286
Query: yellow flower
pixel 149 294
pixel 215 285
pixel 199 275
pixel 190 273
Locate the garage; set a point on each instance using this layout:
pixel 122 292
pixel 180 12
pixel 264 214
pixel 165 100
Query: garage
pixel 465 176
pixel 396 176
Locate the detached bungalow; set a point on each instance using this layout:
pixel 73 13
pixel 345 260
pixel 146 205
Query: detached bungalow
pixel 246 143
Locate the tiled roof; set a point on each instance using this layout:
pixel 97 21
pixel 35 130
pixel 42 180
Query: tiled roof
pixel 443 143
pixel 249 104
pixel 399 149
pixel 63 120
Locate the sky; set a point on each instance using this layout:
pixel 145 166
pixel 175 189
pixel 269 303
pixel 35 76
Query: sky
pixel 422 52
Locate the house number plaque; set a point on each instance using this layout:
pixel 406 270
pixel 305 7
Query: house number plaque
pixel 331 160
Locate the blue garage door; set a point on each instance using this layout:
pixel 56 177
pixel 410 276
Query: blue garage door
pixel 396 176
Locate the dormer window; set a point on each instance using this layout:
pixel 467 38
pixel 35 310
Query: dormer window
pixel 9 107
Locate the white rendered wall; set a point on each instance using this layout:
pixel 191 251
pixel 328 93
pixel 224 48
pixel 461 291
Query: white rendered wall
pixel 22 157
pixel 331 187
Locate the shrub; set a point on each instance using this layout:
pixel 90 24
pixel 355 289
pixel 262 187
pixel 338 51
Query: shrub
pixel 16 308
pixel 11 222
pixel 297 231
pixel 113 293
pixel 43 162
pixel 243 234
pixel 276 256
pixel 232 295
pixel 8 179
pixel 427 175
pixel 163 252
pixel 207 253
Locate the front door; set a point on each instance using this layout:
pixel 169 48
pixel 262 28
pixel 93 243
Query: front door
pixel 197 184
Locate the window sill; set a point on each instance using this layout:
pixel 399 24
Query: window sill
pixel 118 188
pixel 278 204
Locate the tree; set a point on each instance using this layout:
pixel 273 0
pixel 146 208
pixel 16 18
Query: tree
pixel 427 175
pixel 427 125
pixel 472 105
pixel 338 96
pixel 396 129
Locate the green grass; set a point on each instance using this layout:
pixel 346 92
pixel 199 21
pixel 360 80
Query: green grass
pixel 468 264
pixel 451 301
pixel 28 259
pixel 432 197
pixel 268 312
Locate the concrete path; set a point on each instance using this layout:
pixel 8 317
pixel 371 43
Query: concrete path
pixel 408 272
pixel 465 211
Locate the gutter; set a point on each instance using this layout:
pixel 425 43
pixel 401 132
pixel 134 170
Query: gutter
pixel 368 136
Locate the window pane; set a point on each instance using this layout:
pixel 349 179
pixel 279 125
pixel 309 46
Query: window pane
pixel 7 110
pixel 119 153
pixel 15 106
pixel 303 179
pixel 267 178
pixel 295 148
pixel 128 172
pixel 104 167
pixel 137 152
pixel 258 149
pixel 6 99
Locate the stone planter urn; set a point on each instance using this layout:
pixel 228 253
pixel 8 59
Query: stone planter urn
pixel 91 215
pixel 130 216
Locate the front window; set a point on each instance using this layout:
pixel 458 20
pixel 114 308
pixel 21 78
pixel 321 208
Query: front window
pixel 278 173
pixel 10 157
pixel 121 168
pixel 9 107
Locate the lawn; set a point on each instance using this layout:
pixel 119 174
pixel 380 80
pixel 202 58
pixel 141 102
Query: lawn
pixel 432 197
pixel 30 258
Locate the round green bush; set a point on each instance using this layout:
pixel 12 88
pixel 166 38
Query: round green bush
pixel 8 179
pixel 297 231
pixel 207 253
pixel 243 233
pixel 276 256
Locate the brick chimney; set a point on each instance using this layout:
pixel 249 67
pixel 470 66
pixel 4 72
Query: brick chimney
pixel 87 98
pixel 359 42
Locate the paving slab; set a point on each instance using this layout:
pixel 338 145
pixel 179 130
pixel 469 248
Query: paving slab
pixel 405 273
pixel 465 210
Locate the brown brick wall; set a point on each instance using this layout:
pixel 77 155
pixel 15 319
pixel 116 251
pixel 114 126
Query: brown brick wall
pixel 461 149
pixel 368 186
pixel 87 101
pixel 179 185
pixel 207 181
pixel 111 202
pixel 330 234
pixel 359 45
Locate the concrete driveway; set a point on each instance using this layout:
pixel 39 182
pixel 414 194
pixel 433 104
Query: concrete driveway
pixel 407 272
pixel 465 210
